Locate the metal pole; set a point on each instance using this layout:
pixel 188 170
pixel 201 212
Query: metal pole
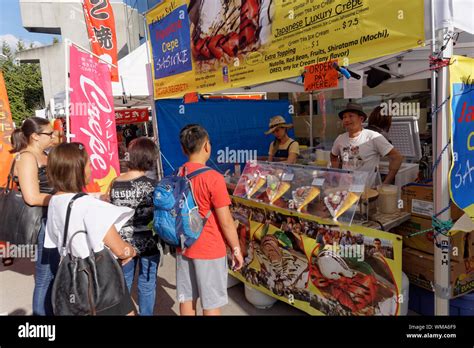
pixel 441 197
pixel 311 120
pixel 151 92
pixel 66 90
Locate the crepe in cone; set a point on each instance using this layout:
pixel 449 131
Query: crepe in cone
pixel 338 203
pixel 255 185
pixel 305 195
pixel 282 188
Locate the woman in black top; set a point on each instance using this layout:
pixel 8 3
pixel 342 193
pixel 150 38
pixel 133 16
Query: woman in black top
pixel 30 142
pixel 135 190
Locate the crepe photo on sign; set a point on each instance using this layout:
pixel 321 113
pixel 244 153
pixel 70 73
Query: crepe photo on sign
pixel 224 29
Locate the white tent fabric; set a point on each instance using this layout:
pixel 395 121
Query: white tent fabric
pixel 132 72
pixel 458 13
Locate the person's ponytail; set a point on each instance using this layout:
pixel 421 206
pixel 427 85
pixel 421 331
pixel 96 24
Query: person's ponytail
pixel 21 136
pixel 18 140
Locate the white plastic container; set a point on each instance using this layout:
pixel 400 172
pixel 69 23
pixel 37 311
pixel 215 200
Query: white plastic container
pixel 387 202
pixel 258 299
pixel 407 173
pixel 232 281
pixel 405 294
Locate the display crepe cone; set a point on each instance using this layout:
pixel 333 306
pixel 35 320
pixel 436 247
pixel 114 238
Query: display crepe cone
pixel 348 202
pixel 312 194
pixel 260 182
pixel 282 188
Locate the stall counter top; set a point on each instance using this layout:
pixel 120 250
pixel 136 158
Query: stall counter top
pixel 385 222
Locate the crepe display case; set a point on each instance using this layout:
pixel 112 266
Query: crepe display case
pixel 328 194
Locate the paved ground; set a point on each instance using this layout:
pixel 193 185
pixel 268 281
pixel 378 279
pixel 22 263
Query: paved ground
pixel 17 283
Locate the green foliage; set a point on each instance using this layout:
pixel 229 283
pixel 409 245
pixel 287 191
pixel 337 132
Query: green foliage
pixel 23 83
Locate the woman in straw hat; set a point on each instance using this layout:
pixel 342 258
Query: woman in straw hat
pixel 283 148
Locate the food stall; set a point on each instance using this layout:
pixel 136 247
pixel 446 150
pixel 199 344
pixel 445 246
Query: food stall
pixel 277 216
pixel 303 246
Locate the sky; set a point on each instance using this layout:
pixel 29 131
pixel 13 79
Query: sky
pixel 11 29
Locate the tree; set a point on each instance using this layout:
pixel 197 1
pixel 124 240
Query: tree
pixel 23 83
pixel 20 46
pixel 6 50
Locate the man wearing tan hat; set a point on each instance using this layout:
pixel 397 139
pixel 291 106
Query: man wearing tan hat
pixel 283 148
pixel 361 149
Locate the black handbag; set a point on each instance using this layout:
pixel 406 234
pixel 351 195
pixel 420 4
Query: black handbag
pixel 20 223
pixel 86 286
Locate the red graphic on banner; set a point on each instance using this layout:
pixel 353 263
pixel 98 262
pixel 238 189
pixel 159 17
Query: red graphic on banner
pixel 101 30
pixel 6 128
pixel 93 117
pixel 128 116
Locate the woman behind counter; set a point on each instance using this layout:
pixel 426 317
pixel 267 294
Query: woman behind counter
pixel 283 148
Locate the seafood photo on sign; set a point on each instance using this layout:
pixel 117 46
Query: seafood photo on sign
pixel 360 288
pixel 222 30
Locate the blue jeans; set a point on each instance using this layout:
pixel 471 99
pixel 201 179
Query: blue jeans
pixel 147 273
pixel 45 269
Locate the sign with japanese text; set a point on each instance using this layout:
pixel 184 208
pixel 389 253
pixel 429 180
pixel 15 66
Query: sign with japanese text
pixel 171 44
pixel 320 76
pixel 128 116
pixel 6 128
pixel 100 24
pixel 242 43
pixel 461 71
pixel 93 118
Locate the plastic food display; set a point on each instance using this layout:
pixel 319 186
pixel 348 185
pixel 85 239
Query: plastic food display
pixel 326 193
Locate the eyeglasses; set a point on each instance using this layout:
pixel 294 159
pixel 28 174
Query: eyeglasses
pixel 49 134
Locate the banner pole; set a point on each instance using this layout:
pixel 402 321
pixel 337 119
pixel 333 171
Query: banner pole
pixel 154 119
pixel 311 120
pixel 441 129
pixel 67 67
pixel 93 54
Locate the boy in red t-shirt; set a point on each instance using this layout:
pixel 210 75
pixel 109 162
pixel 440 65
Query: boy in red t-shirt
pixel 202 269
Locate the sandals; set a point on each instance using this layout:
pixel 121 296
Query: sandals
pixel 7 261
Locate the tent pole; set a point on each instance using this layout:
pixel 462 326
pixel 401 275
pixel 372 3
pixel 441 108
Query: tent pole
pixel 154 119
pixel 66 90
pixel 441 129
pixel 311 119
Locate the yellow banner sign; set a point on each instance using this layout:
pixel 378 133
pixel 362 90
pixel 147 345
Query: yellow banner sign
pixel 6 128
pixel 461 72
pixel 212 45
pixel 318 268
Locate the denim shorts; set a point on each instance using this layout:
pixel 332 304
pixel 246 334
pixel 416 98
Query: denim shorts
pixel 206 279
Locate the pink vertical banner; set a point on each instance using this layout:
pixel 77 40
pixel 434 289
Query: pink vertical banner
pixel 92 117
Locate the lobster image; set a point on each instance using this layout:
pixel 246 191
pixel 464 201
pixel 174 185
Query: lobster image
pixel 353 290
pixel 229 27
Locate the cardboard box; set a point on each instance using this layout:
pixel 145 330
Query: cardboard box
pixel 419 268
pixel 425 242
pixel 418 200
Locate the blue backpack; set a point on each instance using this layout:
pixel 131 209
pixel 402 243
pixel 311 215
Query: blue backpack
pixel 176 218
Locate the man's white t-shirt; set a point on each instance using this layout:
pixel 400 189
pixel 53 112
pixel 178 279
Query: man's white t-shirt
pixel 362 152
pixel 88 214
